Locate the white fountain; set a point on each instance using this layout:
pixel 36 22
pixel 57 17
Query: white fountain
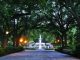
pixel 40 45
pixel 40 42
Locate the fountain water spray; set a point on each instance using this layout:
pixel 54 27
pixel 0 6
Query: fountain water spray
pixel 40 42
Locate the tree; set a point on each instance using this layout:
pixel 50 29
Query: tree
pixel 15 10
pixel 60 20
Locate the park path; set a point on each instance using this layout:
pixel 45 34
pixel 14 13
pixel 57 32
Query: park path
pixel 38 55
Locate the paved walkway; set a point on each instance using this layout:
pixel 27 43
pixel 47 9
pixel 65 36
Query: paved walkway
pixel 38 55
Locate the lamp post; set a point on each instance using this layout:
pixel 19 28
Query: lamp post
pixel 14 22
pixel 5 41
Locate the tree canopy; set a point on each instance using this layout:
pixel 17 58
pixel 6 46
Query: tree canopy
pixel 54 16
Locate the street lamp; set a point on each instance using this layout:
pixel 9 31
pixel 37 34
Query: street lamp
pixel 25 42
pixel 58 40
pixel 7 32
pixel 21 40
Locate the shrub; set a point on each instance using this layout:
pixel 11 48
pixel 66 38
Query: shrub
pixel 64 50
pixel 2 51
pixel 59 49
pixel 77 51
pixel 30 48
pixel 9 50
pixel 20 48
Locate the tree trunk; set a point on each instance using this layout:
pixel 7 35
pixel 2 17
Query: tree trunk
pixel 14 43
pixel 63 40
pixel 17 41
pixel 4 43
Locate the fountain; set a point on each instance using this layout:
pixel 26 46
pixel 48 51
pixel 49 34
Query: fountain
pixel 40 45
pixel 40 42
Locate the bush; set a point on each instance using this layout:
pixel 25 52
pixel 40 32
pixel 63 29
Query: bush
pixel 77 51
pixel 64 50
pixel 9 50
pixel 59 49
pixel 49 49
pixel 19 48
pixel 30 48
pixel 2 51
